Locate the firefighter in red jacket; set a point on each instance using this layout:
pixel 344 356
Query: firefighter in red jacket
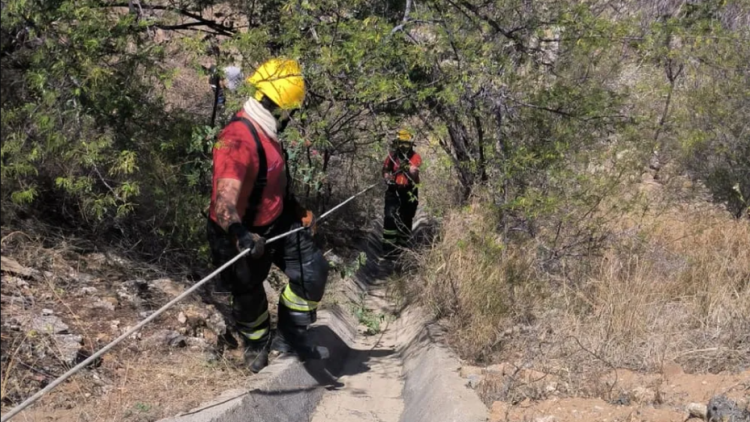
pixel 251 202
pixel 401 173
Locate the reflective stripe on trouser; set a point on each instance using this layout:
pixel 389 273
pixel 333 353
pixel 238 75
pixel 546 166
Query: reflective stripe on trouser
pixel 295 302
pixel 257 330
pixel 390 237
pixel 297 255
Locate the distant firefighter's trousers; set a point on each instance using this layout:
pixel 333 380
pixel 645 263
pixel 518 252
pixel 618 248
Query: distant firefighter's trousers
pixel 400 208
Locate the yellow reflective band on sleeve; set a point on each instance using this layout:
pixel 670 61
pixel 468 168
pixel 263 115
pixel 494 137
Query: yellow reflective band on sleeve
pixel 255 335
pixel 390 232
pixel 258 321
pixel 296 303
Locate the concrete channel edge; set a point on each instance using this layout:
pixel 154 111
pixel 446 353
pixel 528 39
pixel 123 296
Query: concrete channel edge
pixel 289 391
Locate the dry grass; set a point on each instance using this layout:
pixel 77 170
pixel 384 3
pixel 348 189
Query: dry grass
pixel 146 388
pixel 671 285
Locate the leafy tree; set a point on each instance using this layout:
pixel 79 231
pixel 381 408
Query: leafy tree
pixel 523 98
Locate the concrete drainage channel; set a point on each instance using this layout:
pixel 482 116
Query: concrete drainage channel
pixel 402 374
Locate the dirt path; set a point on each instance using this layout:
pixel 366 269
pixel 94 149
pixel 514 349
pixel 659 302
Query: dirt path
pixel 373 395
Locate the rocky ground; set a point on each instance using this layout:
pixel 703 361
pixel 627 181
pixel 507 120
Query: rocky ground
pixel 57 312
pixel 519 394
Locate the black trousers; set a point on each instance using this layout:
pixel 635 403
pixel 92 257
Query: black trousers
pixel 400 208
pixel 296 255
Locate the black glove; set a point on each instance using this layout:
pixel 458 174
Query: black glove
pixel 213 77
pixel 247 240
pixel 214 80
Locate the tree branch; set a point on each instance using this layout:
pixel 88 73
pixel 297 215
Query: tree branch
pixel 220 29
pixel 407 9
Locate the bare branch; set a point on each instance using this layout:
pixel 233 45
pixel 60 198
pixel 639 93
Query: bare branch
pixel 219 28
pixel 407 10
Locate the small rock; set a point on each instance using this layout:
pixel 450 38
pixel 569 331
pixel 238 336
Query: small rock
pixel 12 324
pixel 14 281
pixel 197 344
pixel 216 322
pixel 167 286
pixel 166 338
pixel 196 315
pixel 23 284
pixel 212 356
pixel 67 347
pixel 210 337
pixel 103 304
pixel 474 381
pixel 116 259
pixel 551 387
pixel 182 318
pixel 88 290
pixel 114 324
pixel 500 369
pixel 10 265
pixel 698 410
pixel 465 371
pixel 179 341
pixel 47 312
pixel 722 409
pixel 622 400
pixel 334 260
pixel 136 335
pixel 548 418
pixel 138 284
pixel 124 295
pixel 643 395
pixel 47 324
pixel 498 411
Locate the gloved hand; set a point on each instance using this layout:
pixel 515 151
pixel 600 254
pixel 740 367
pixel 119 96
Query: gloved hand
pixel 247 240
pixel 388 178
pixel 306 216
pixel 213 77
pixel 309 220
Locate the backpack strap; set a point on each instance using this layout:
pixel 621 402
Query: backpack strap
pixel 288 194
pixel 253 202
pixel 391 166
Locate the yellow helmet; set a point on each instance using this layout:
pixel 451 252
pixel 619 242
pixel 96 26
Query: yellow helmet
pixel 281 81
pixel 404 135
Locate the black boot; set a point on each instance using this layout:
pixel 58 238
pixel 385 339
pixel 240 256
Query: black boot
pixel 281 344
pixel 296 341
pixel 256 356
pixel 292 336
